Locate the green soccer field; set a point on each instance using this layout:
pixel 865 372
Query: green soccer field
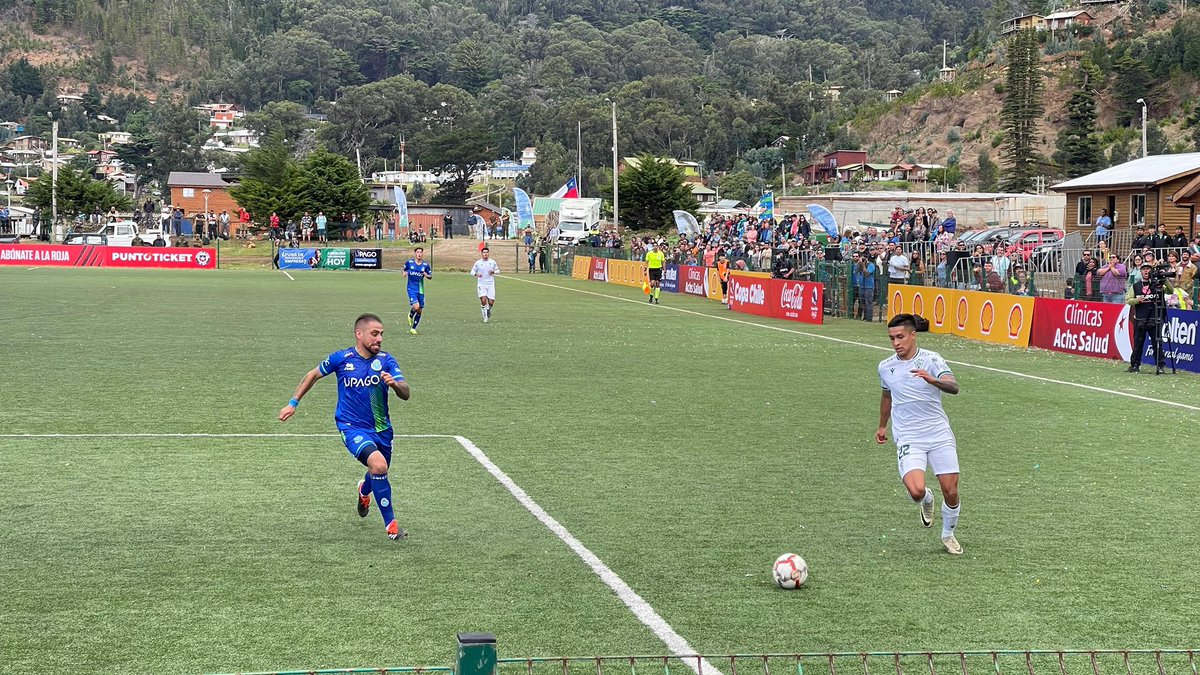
pixel 685 449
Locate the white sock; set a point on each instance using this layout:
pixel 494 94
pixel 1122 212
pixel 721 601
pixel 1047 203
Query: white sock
pixel 949 519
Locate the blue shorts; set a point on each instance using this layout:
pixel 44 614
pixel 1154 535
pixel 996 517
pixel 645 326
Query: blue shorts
pixel 361 443
pixel 415 298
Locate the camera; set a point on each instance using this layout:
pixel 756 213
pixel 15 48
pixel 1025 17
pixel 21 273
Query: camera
pixel 1159 275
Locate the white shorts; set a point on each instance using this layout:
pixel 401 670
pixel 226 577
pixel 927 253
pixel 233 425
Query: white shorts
pixel 942 456
pixel 485 291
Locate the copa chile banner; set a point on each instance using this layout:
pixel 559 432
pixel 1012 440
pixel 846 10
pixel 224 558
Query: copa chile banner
pixel 109 256
pixel 989 317
pixel 330 258
pixel 777 298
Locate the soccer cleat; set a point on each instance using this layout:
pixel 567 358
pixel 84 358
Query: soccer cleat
pixel 394 531
pixel 364 501
pixel 952 545
pixel 413 331
pixel 1132 369
pixel 650 299
pixel 927 513
pixel 1159 371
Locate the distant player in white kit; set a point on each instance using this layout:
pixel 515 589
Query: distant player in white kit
pixel 913 381
pixel 485 270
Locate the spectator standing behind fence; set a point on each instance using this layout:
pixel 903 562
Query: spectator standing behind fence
pixel 1140 239
pixel 1112 280
pixel 864 285
pixel 322 222
pixel 1161 241
pixel 1103 225
pixel 898 266
pixel 1021 284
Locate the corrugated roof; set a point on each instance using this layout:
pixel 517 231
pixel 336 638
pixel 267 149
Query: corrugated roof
pixel 1142 171
pixel 1066 15
pixel 542 206
pixel 196 179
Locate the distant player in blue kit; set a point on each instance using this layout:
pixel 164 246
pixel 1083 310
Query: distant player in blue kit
pixel 364 376
pixel 417 272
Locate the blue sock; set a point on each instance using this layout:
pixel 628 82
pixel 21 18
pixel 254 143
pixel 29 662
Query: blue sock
pixel 416 319
pixel 383 496
pixel 366 486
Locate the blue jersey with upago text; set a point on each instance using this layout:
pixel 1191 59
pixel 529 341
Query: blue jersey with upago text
pixel 416 275
pixel 362 394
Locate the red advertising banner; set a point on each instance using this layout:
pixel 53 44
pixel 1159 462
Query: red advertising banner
pixel 109 256
pixel 801 301
pixel 751 296
pixel 599 269
pixel 791 300
pixel 692 280
pixel 1086 328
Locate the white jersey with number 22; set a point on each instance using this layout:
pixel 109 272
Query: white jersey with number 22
pixel 917 414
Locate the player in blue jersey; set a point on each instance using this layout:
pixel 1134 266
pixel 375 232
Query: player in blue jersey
pixel 417 271
pixel 364 376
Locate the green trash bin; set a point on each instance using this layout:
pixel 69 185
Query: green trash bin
pixel 476 654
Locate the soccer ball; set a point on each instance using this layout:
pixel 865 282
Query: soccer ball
pixel 790 571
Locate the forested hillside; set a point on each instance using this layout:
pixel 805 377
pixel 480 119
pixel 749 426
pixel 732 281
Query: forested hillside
pixel 716 81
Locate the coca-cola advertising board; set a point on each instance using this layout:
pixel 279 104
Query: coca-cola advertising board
pixel 777 298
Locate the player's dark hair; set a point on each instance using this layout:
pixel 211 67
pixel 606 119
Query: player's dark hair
pixel 365 318
pixel 419 248
pixel 485 249
pixel 913 322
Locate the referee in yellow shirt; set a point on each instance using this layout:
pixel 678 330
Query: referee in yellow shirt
pixel 654 267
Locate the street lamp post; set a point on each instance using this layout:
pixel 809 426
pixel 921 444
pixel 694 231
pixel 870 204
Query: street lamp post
pixel 206 192
pixel 1145 150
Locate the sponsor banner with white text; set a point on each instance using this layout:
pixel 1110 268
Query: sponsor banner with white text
pixel 1179 341
pixel 777 298
pixel 670 279
pixel 599 269
pixel 693 280
pixel 1085 328
pixel 109 256
pixel 366 258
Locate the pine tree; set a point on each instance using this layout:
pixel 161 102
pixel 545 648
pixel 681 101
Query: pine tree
pixel 1022 109
pixel 1079 152
pixel 650 191
pixel 989 173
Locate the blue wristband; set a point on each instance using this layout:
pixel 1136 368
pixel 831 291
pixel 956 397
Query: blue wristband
pixel 293 403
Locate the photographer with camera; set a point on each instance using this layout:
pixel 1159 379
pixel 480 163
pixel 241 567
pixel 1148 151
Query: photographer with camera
pixel 1147 299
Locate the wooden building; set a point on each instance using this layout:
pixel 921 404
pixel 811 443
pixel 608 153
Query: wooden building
pixel 1154 190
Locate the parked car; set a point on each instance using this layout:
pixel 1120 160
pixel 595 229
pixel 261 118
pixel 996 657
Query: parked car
pixel 1028 239
pixel 1047 257
pixel 86 238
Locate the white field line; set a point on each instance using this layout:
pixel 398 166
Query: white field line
pixel 830 338
pixel 287 275
pixel 636 604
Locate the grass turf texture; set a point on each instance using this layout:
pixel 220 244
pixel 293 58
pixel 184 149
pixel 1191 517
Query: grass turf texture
pixel 686 452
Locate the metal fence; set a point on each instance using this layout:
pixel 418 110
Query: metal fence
pixel 982 662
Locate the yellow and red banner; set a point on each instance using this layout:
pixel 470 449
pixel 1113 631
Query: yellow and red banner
pixel 989 317
pixel 581 267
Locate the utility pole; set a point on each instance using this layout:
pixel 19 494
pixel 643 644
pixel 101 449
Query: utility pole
pixel 54 178
pixel 579 157
pixel 616 195
pixel 1144 146
pixel 783 178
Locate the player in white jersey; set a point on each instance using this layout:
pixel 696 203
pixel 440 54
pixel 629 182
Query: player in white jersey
pixel 913 381
pixel 485 270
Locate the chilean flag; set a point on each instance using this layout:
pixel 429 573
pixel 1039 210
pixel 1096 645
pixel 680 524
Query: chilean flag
pixel 568 191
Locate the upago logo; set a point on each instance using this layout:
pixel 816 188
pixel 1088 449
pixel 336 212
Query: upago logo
pixel 1016 321
pixel 987 317
pixel 962 314
pixel 202 258
pixel 939 310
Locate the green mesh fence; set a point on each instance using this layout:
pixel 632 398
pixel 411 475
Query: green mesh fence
pixel 995 662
